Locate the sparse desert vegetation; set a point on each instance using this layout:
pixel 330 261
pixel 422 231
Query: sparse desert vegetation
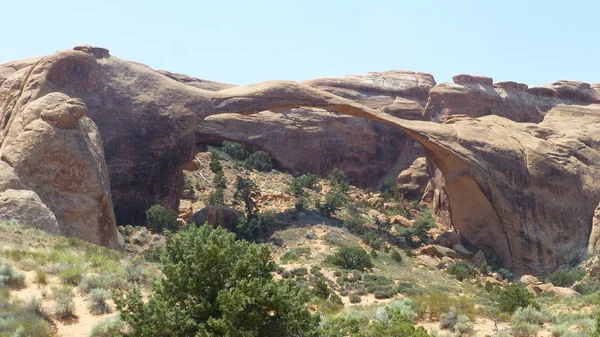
pixel 312 256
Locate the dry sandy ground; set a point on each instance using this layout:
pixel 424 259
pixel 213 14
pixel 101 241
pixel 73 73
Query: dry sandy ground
pixel 79 326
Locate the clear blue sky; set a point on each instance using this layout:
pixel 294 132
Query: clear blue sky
pixel 242 42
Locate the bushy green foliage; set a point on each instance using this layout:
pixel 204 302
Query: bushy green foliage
pixel 216 198
pixel 372 240
pixel 10 277
pixel 308 181
pixel 214 285
pixel 462 270
pixel 93 281
pixel 63 302
pixel 565 278
pixel 215 164
pixel 433 305
pixel 97 301
pixel 532 315
pixel 418 229
pixel 253 227
pixel 514 297
pixel 333 201
pixel 339 180
pixel 587 287
pixel 21 319
pixel 388 189
pixel 220 181
pixel 110 327
pixel 259 161
pixel 321 289
pixel 246 194
pixel 396 256
pixel 351 257
pixel 160 219
pixel 355 298
pixel 234 150
pixel 391 324
pixel 71 274
pixel 506 274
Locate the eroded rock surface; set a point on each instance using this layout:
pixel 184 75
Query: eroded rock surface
pixel 518 165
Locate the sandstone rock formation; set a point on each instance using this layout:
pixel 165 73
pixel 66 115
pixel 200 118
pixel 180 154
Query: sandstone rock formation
pixel 367 151
pixel 56 154
pixel 518 166
pixel 216 216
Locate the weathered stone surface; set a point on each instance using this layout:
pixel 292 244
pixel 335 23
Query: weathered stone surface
pixel 216 216
pixel 428 261
pixel 8 178
pixel 26 208
pixel 524 191
pixel 478 259
pixel 529 279
pixel 448 239
pixel 462 251
pixel 439 251
pixel 57 152
pixel 562 292
pixel 411 182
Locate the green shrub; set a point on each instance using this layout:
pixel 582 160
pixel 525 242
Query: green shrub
pixel 355 298
pixel 301 203
pixel 298 184
pixel 110 327
pixel 93 281
pixel 588 287
pixel 352 257
pixel 396 256
pixel 433 305
pixel 97 301
pixel 71 274
pixel 340 181
pixel 216 198
pixel 531 315
pixel 234 150
pixel 299 271
pixel 259 161
pixel 63 302
pixel 11 277
pixel 464 326
pixel 522 329
pixel 22 319
pixel 220 181
pixel 133 272
pixel 462 270
pixel 160 219
pixel 506 274
pixel 563 278
pixel 514 297
pixel 333 202
pixel 321 289
pixel 386 292
pixel 232 286
pixel 388 189
pixel 252 228
pixel 40 276
pixel 372 240
pixel 215 165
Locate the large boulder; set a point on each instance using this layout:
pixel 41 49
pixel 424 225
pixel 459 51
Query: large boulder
pixel 27 208
pixel 216 216
pixel 56 151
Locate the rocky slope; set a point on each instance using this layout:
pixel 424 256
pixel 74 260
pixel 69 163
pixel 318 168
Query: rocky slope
pixel 518 165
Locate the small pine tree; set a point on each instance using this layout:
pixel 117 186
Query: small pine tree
pixel 246 194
